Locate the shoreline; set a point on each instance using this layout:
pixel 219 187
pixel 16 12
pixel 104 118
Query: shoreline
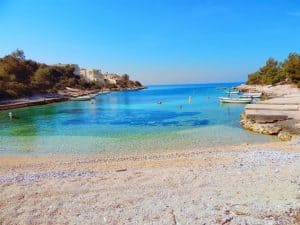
pixel 279 114
pixel 253 184
pixel 23 102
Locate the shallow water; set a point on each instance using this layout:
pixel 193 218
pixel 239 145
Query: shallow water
pixel 128 121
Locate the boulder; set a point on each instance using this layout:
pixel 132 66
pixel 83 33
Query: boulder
pixel 266 128
pixel 284 136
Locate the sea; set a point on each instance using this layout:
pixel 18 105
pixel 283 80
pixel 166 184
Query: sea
pixel 159 118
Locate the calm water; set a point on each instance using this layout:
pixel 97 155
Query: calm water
pixel 128 121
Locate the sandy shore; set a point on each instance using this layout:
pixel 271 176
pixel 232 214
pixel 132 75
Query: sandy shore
pixel 246 184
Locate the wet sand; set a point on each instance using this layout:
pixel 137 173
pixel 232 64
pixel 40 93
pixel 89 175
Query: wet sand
pixel 244 184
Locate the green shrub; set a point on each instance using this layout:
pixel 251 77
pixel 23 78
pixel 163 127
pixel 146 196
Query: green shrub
pixel 273 72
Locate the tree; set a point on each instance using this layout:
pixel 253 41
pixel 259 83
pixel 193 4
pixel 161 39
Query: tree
pixel 18 54
pixel 270 73
pixel 291 68
pixel 125 77
pixel 138 84
pixel 12 66
pixel 270 64
pixel 42 79
pixel 254 78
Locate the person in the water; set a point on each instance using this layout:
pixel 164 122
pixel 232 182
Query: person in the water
pixel 11 116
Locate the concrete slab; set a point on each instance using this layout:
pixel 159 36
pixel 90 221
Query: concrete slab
pixel 273 107
pixel 281 101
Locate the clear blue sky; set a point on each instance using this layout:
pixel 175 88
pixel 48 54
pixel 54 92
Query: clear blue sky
pixel 155 41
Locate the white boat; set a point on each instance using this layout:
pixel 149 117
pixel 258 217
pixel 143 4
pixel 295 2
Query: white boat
pixel 235 100
pixel 232 92
pixel 252 95
pixel 83 98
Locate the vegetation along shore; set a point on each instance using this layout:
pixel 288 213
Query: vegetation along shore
pixel 279 113
pixel 25 82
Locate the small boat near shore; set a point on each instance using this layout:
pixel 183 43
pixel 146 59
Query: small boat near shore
pixel 232 92
pixel 235 100
pixel 83 98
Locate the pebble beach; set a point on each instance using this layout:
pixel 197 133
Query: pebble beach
pixel 240 184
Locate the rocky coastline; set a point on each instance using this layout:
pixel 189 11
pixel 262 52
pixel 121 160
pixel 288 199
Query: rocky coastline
pixel 278 114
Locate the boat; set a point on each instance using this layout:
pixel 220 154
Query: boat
pixel 232 92
pixel 235 100
pixel 221 88
pixel 83 98
pixel 251 95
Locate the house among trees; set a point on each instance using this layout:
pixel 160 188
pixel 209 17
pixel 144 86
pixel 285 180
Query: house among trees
pixel 21 77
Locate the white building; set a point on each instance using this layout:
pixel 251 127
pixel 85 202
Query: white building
pixel 92 75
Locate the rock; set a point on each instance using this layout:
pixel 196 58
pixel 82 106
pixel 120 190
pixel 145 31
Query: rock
pixel 224 221
pixel 284 136
pixel 266 128
pixel 295 140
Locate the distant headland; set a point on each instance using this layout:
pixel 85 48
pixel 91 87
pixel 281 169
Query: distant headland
pixel 25 82
pixel 21 77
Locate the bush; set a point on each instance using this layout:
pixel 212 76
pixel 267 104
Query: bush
pixel 273 72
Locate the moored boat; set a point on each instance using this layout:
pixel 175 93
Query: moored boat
pixel 235 100
pixel 232 92
pixel 83 98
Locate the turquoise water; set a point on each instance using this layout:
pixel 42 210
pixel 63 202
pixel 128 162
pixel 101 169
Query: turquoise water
pixel 128 121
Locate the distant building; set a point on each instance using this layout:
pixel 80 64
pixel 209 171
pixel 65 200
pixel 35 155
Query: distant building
pixel 75 66
pixel 111 78
pixel 92 75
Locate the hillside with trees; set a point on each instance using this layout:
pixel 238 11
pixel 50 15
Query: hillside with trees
pixel 20 77
pixel 274 72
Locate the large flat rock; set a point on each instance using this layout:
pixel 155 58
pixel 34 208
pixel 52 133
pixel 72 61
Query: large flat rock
pixel 273 115
pixel 273 107
pixel 266 117
pixel 294 100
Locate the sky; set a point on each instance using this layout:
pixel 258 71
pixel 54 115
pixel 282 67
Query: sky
pixel 154 41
